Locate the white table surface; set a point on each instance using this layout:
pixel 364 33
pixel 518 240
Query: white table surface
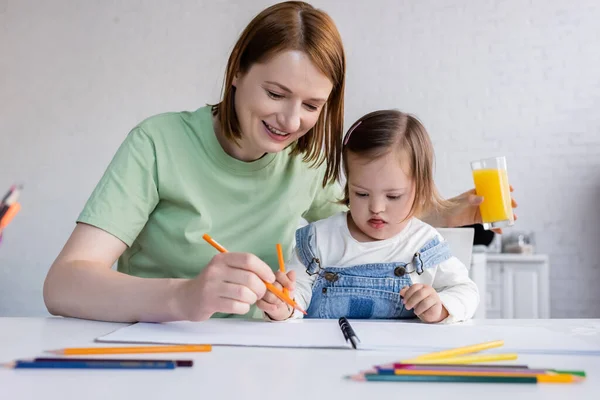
pixel 260 373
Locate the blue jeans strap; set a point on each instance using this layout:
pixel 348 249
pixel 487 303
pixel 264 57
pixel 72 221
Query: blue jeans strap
pixel 305 245
pixel 433 253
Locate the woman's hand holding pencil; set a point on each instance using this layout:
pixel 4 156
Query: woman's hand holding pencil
pixel 230 283
pixel 273 288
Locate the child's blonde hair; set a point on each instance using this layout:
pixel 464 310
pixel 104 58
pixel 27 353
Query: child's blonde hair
pixel 382 132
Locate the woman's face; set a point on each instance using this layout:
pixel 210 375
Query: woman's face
pixel 277 102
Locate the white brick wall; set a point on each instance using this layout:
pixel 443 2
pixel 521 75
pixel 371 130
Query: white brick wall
pixel 500 77
pixel 519 78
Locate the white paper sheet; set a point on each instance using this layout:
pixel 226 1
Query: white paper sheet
pixel 432 337
pixel 235 332
pixel 373 335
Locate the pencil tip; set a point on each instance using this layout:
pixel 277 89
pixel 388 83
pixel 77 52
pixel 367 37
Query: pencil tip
pixel 297 307
pixel 356 378
pixel 54 351
pixel 370 371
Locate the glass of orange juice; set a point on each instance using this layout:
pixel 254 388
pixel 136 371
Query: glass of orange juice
pixel 491 182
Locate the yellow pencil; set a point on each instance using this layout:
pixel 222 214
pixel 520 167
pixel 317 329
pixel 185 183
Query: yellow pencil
pixel 463 360
pixel 459 351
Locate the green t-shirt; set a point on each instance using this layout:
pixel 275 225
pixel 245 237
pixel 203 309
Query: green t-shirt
pixel 170 182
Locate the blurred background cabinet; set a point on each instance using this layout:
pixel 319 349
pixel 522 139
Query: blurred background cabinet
pixel 512 285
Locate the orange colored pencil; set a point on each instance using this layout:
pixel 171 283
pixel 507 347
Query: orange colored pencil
pixel 281 265
pixel 9 215
pixel 269 286
pixel 214 243
pixel 77 351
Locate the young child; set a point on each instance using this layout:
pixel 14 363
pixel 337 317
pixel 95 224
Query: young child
pixel 378 260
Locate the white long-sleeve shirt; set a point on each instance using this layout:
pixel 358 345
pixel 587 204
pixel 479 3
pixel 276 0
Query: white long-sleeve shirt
pixel 335 246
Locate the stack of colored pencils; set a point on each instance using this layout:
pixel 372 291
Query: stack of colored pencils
pixel 454 366
pixel 110 363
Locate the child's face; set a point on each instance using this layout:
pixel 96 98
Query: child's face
pixel 381 196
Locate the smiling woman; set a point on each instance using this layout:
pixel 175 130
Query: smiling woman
pixel 292 53
pixel 276 103
pixel 245 170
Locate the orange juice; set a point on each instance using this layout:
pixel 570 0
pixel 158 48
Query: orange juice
pixel 492 184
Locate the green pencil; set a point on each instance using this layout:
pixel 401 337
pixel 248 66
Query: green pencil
pixel 568 372
pixel 442 378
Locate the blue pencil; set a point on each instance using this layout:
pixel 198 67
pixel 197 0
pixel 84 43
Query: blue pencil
pixel 21 364
pixel 178 363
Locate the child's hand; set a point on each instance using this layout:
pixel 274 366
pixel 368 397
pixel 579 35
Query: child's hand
pixel 425 302
pixel 275 308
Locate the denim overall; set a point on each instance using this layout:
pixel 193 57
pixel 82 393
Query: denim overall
pixel 367 290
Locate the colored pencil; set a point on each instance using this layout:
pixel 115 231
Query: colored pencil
pixel 459 351
pixel 214 243
pixel 133 350
pixel 492 369
pixel 269 286
pixel 545 376
pixel 466 379
pixel 465 359
pixel 9 215
pixel 461 366
pixel 178 363
pixel 281 265
pixel 13 196
pixel 7 195
pixel 91 365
